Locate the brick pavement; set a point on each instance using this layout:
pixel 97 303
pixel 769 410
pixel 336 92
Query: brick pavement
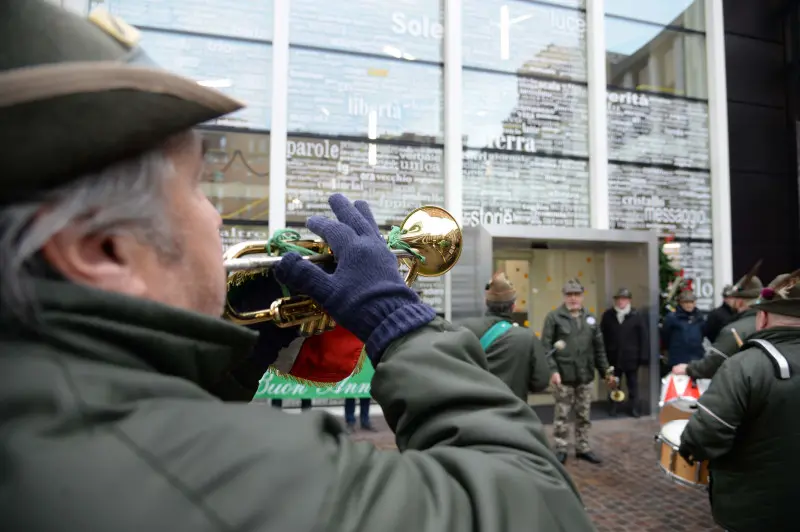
pixel 627 493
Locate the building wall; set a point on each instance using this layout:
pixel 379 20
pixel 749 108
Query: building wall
pixel 568 113
pixel 763 149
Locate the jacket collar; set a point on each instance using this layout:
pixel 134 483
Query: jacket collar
pixel 123 331
pixel 778 335
pixel 748 313
pixel 499 315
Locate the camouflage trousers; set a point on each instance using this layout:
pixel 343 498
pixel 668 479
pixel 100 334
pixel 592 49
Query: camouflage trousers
pixel 568 398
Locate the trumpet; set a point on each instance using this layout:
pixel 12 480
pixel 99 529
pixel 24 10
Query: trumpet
pixel 429 245
pixel 616 394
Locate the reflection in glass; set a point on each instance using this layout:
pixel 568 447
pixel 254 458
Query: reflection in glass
pixel 647 57
pixel 689 14
pixel 516 189
pixel 518 36
pixel 339 94
pixel 232 234
pixel 412 29
pixel 523 114
pixel 242 70
pixel 393 179
pixel 236 177
pixel 650 129
pixel 248 19
pixel 673 202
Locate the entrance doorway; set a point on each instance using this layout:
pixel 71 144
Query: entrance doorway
pixel 540 260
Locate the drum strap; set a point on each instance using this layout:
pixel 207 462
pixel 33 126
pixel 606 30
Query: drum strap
pixel 495 331
pixel 778 359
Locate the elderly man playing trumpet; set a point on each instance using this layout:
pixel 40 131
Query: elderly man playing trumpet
pixel 112 349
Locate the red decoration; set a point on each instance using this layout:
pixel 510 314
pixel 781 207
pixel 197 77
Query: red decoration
pixel 680 273
pixel 669 238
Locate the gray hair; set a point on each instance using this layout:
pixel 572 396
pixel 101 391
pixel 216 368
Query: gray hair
pixel 124 198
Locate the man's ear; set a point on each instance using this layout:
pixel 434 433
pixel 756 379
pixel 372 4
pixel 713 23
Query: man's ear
pixel 106 262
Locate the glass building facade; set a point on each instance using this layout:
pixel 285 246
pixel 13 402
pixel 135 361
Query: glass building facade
pixel 487 107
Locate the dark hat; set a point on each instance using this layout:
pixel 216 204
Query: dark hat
pixel 77 95
pixel 573 286
pixel 749 286
pixel 500 289
pixel 726 290
pixel 782 296
pixel 687 295
pixel 623 292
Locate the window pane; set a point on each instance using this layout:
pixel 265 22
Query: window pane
pixel 674 202
pixel 647 57
pixel 242 70
pixel 522 114
pixel 697 261
pixel 393 179
pixel 516 36
pixel 339 94
pixel 651 129
pixel 411 29
pixel 689 14
pixel 236 178
pixel 237 233
pixel 250 19
pixel 517 189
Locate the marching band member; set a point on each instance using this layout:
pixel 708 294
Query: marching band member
pixel 740 297
pixel 721 316
pixel 111 284
pixel 745 424
pixel 573 368
pixel 513 353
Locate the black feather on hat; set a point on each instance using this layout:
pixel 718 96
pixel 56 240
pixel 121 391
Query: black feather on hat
pixel 749 286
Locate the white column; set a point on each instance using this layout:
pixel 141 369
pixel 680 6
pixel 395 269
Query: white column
pixel 598 130
pixel 280 96
pixel 453 179
pixel 718 133
pixel 80 7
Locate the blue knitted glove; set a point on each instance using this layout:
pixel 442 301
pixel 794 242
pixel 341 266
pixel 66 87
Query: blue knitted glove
pixel 366 293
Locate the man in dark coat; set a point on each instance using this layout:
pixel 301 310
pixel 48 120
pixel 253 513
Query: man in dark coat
pixel 742 296
pixel 573 368
pixel 682 331
pixel 746 422
pixel 123 407
pixel 514 353
pixel 626 341
pixel 720 316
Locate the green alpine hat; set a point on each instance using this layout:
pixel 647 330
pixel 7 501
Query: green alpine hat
pixel 782 296
pixel 572 286
pixel 749 286
pixel 77 95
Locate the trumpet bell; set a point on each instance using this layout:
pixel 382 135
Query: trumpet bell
pixel 617 396
pixel 435 235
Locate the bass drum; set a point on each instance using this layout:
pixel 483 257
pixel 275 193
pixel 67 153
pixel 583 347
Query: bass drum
pixel 668 441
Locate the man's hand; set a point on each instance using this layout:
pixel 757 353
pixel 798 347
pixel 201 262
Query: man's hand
pixel 366 293
pixel 555 379
pixel 680 369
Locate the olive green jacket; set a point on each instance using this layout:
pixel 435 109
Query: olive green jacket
pixel 746 425
pixel 584 351
pixel 516 358
pixel 108 425
pixel 724 347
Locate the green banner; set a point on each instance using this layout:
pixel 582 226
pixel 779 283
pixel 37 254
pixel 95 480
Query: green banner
pixel 357 385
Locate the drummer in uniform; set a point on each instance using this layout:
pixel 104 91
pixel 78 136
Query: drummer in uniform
pixel 573 368
pixel 741 296
pixel 746 422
